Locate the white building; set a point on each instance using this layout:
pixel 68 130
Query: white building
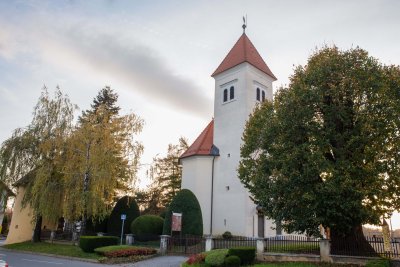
pixel 210 164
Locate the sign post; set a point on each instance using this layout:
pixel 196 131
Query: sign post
pixel 123 218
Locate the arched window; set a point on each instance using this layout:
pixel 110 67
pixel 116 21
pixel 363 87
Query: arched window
pixel 258 94
pixel 263 96
pixel 231 93
pixel 225 95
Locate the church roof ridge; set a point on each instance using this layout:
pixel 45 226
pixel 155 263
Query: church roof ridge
pixel 244 51
pixel 203 145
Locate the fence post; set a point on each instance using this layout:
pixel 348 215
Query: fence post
pixel 52 236
pixel 164 244
pixel 209 243
pixel 260 248
pixel 325 250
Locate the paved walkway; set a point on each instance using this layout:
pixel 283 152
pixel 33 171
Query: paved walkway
pixel 162 261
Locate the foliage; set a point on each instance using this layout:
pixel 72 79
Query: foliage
pixel 103 159
pixel 196 258
pixel 333 136
pixel 124 251
pixel 216 257
pixel 125 205
pixel 246 254
pixel 185 202
pixel 166 176
pixel 55 249
pixel 98 225
pixel 36 153
pixel 147 225
pixel 89 243
pixel 232 261
pixel 378 263
pixel 227 235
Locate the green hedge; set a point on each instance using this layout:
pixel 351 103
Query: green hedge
pixel 246 254
pixel 89 243
pixel 216 257
pixel 185 202
pixel 147 225
pixel 232 261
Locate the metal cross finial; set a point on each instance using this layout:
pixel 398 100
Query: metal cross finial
pixel 244 24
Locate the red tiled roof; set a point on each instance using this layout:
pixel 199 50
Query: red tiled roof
pixel 243 51
pixel 203 144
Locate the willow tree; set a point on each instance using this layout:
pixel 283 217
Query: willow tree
pixel 36 152
pixel 326 151
pixel 102 160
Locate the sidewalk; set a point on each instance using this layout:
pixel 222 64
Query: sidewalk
pixel 162 261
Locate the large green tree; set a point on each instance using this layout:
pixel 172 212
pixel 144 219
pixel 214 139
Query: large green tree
pixel 36 153
pixel 326 151
pixel 102 159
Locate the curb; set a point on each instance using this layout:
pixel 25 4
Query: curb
pixel 50 255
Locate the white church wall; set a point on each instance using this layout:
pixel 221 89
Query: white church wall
pixel 196 176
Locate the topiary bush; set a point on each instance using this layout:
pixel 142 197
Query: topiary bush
pixel 216 257
pixel 185 202
pixel 147 227
pixel 126 205
pixel 227 235
pixel 232 261
pixel 89 243
pixel 246 254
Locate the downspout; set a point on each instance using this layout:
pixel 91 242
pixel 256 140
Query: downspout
pixel 212 194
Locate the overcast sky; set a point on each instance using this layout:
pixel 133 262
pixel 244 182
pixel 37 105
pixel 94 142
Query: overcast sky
pixel 159 55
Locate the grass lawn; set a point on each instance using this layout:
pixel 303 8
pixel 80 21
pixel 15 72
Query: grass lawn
pixel 279 264
pixel 55 249
pixel 151 244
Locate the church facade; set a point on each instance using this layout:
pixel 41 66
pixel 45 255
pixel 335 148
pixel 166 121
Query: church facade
pixel 209 166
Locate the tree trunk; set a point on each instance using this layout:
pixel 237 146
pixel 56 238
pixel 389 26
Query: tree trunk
pixel 38 230
pixel 352 244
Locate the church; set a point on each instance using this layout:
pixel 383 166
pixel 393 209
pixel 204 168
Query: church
pixel 209 166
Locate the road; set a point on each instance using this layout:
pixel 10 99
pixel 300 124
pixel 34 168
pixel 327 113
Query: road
pixel 18 259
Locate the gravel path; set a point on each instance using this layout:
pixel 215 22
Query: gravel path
pixel 163 261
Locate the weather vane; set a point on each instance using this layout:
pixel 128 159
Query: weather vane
pixel 244 24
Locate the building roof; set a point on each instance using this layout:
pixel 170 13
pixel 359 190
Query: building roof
pixel 203 145
pixel 243 51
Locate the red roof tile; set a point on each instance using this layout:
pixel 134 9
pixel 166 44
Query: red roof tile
pixel 243 51
pixel 203 144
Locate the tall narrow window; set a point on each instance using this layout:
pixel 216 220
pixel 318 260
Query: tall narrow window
pixel 258 94
pixel 263 96
pixel 225 95
pixel 231 93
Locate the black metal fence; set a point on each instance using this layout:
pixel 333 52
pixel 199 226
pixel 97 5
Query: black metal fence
pixel 292 244
pixel 234 242
pixel 368 246
pixel 185 244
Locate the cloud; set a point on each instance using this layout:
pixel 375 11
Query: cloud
pixel 105 51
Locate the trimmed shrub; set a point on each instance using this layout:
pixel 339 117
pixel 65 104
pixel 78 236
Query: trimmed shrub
pixel 378 263
pixel 196 258
pixel 232 261
pixel 227 235
pixel 185 202
pixel 246 254
pixel 126 205
pixel 147 225
pixel 89 243
pixel 124 251
pixel 216 257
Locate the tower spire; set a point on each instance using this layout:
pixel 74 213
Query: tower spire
pixel 244 26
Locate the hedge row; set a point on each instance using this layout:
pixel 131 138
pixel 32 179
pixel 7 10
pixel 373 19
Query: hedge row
pixel 246 254
pixel 89 243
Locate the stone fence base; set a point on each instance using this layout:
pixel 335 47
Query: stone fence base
pixel 282 257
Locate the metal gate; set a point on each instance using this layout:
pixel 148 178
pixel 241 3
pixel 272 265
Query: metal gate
pixel 186 245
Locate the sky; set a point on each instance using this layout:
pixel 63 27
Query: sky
pixel 159 55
